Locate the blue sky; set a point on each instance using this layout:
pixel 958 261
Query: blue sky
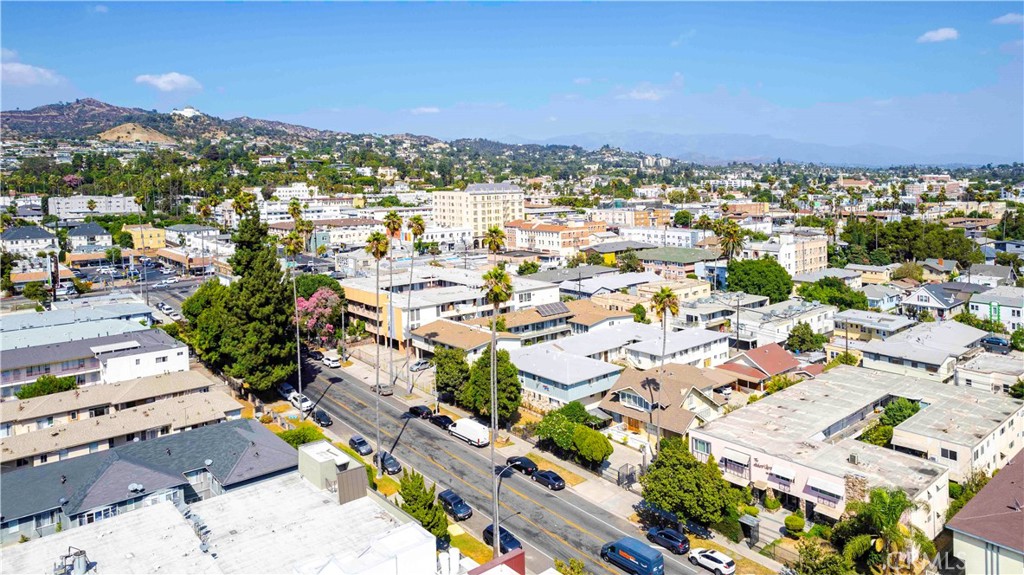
pixel 938 78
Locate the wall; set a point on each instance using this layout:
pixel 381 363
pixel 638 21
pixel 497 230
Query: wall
pixel 977 555
pixel 134 366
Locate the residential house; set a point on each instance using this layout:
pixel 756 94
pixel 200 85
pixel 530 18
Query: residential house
pixel 1003 304
pixel 588 316
pixel 990 275
pixel 28 241
pixel 988 532
pixel 939 270
pixel 665 402
pixel 89 234
pixel 474 340
pixel 755 367
pixel 883 297
pixel 991 371
pixel 851 278
pixel 870 275
pixel 868 325
pixel 938 302
pixel 182 468
pixel 579 273
pixel 551 377
pixel 675 263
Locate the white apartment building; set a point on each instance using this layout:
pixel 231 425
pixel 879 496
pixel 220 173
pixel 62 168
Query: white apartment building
pixel 1003 304
pixel 478 207
pixel 991 371
pixel 554 239
pixel 296 190
pixel 772 323
pixel 89 235
pixel 797 255
pixel 341 231
pixel 665 236
pixel 731 184
pixel 77 207
pixel 28 241
pixel 447 239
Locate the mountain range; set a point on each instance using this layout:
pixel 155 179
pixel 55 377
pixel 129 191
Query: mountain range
pixel 88 118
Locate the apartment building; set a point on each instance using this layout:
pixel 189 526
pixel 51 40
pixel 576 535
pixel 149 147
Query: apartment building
pixel 478 207
pixel 77 207
pixel 872 275
pixel 988 534
pixel 85 322
pixel 147 237
pixel 675 263
pixel 797 255
pixel 685 289
pixel 634 218
pixel 772 323
pixel 190 235
pixel 991 371
pixel 554 239
pixel 340 232
pixel 665 236
pixel 28 241
pixel 1004 304
pixel 552 377
pixel 928 351
pixel 868 325
pixel 850 278
pixel 88 235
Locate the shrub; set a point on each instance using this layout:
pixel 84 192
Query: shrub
pixel 795 524
pixel 821 531
pixel 730 527
pixel 955 490
pixel 772 504
pixel 750 510
pixel 266 418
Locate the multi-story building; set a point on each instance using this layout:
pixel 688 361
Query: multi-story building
pixel 868 325
pixel 686 289
pixel 936 299
pixel 88 235
pixel 73 323
pixel 478 207
pixel 988 534
pixel 1004 304
pixel 340 232
pixel 295 190
pixel 190 235
pixel 447 239
pixel 146 237
pixel 772 323
pixel 992 371
pixel 797 255
pixel 849 277
pixel 675 263
pixel 635 218
pixel 870 275
pixel 77 207
pixel 882 297
pixel 666 236
pixel 555 239
pixel 28 241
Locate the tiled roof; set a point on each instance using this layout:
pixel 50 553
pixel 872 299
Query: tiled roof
pixel 88 229
pixel 26 233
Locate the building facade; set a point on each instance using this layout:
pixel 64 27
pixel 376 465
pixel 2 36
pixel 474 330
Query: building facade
pixel 478 207
pixel 77 207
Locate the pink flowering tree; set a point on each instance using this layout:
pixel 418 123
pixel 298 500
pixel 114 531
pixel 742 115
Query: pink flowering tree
pixel 319 313
pixel 72 181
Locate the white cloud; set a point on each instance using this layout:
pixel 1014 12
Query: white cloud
pixel 16 73
pixel 645 94
pixel 425 110
pixel 100 9
pixel 169 82
pixel 682 38
pixel 582 81
pixel 8 55
pixel 1010 18
pixel 939 35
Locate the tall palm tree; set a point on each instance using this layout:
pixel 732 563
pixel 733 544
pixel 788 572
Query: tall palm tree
pixel 830 229
pixel 497 290
pixel 703 222
pixel 883 515
pixel 731 240
pixel 494 240
pixel 393 226
pixel 665 303
pixel 377 246
pixel 416 227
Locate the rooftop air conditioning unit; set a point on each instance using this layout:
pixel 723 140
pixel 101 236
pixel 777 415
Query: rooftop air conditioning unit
pixel 854 459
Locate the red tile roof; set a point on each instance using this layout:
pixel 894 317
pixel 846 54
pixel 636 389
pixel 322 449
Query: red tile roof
pixel 772 359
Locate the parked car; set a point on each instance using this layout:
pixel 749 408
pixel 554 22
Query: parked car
pixel 726 391
pixel 524 464
pixel 421 411
pixel 470 431
pixel 388 463
pixel 442 421
pixel 322 418
pixel 301 402
pixel 384 389
pixel 713 560
pixel 285 390
pixel 330 361
pixel 174 315
pixel 549 479
pixel 634 556
pixel 697 530
pixel 995 340
pixel 420 365
pixel 506 541
pixel 670 539
pixel 315 355
pixel 360 445
pixel 454 505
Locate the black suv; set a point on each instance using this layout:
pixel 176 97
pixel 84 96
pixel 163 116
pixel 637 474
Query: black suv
pixel 524 464
pixel 507 541
pixel 322 419
pixel 421 411
pixel 454 505
pixel 390 465
pixel 442 421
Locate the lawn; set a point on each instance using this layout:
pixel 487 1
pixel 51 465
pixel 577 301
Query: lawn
pixel 449 413
pixel 281 407
pixel 274 427
pixel 387 486
pixel 248 410
pixel 472 547
pixel 543 463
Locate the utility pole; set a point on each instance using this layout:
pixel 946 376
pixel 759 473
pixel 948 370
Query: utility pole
pixel 298 347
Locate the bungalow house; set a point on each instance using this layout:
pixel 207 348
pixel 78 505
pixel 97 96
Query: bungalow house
pixel 677 399
pixel 939 270
pixel 883 297
pixel 472 339
pixel 990 275
pixel 873 274
pixel 753 368
pixel 937 301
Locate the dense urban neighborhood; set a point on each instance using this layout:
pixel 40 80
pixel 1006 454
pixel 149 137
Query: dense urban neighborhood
pixel 251 346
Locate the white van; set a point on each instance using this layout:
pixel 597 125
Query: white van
pixel 470 431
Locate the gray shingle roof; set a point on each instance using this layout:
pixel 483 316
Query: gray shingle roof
pixel 149 340
pixel 26 233
pixel 88 229
pixel 239 451
pixel 614 247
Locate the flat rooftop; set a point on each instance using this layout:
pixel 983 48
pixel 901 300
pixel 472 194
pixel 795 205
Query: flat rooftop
pixel 1011 363
pixel 134 342
pixel 66 332
pixel 793 422
pixel 875 320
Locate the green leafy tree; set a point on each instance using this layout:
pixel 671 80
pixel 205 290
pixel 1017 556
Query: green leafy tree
pixel 639 313
pixel 898 411
pixel 843 358
pixel 833 291
pixel 45 385
pixel 301 435
pixel 527 268
pixel 591 446
pixel 113 255
pixel 877 434
pixel 307 284
pixel 629 262
pixel 1017 389
pixel 682 219
pixel 421 503
pixel 879 257
pixel 573 567
pixel 451 373
pixel 966 491
pixel 209 294
pixel 476 395
pixel 817 559
pixel 763 277
pixel 558 429
pixel 594 259
pixel 924 316
pixel 576 413
pixel 910 270
pixel 678 482
pixel 35 291
pixel 803 338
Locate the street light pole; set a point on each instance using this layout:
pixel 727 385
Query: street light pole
pixel 298 348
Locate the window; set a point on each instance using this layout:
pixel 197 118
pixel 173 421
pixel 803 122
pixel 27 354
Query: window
pixel 949 454
pixel 138 361
pixel 162 359
pixel 43 457
pixel 62 454
pixel 73 415
pixel 94 447
pixel 701 446
pixel 44 422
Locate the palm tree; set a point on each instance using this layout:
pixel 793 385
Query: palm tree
pixel 731 240
pixel 665 303
pixel 830 229
pixel 377 246
pixel 244 203
pixel 704 222
pixel 91 204
pixel 494 240
pixel 883 516
pixel 416 227
pixel 393 225
pixel 498 290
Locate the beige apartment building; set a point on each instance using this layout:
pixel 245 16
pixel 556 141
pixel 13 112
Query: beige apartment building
pixel 555 239
pixel 478 207
pixel 798 255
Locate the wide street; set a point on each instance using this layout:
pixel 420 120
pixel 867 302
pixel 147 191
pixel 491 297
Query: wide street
pixel 550 524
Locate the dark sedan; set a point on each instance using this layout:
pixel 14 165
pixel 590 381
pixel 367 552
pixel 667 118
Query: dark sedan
pixel 322 419
pixel 524 464
pixel 442 421
pixel 507 542
pixel 455 505
pixel 670 539
pixel 421 411
pixel 360 445
pixel 388 463
pixel 549 479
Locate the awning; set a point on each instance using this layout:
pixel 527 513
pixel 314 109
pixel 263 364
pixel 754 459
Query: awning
pixel 736 456
pixel 784 472
pixel 600 414
pixel 830 512
pixel 826 486
pixel 760 485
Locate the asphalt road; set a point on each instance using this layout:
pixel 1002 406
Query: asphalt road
pixel 550 524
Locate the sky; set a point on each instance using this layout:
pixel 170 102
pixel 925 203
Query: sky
pixel 938 78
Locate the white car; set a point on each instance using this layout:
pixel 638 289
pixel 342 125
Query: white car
pixel 168 272
pixel 301 402
pixel 174 315
pixel 285 390
pixel 715 561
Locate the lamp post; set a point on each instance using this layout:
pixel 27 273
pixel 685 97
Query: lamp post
pixel 496 539
pixel 298 347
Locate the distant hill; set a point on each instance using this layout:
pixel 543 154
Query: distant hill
pixel 131 132
pixel 88 118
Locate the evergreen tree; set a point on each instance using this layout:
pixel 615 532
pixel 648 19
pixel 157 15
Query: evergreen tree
pixel 476 395
pixel 421 504
pixel 451 372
